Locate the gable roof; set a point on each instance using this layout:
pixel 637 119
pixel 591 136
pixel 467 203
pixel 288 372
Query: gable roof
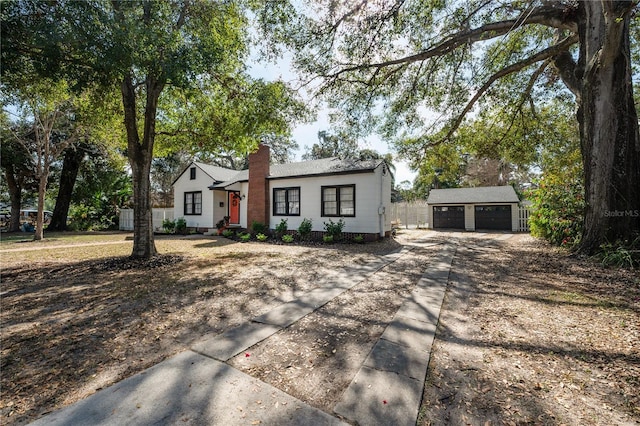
pixel 482 194
pixel 322 167
pixel 217 174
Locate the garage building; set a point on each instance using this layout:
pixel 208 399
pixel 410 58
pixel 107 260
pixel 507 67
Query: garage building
pixel 481 208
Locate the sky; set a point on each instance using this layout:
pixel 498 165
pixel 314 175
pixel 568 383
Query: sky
pixel 306 134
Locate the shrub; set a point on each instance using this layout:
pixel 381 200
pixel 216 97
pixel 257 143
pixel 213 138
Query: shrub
pixel 81 217
pixel 287 238
pixel 327 238
pixel 169 225
pixel 181 225
pixel 334 228
pixel 305 229
pixel 245 236
pixel 359 238
pixel 621 254
pixel 261 237
pixel 557 210
pixel 228 233
pixel 90 218
pixel 258 227
pixel 282 227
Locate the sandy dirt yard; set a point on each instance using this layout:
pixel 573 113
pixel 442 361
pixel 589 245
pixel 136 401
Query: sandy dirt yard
pixel 527 334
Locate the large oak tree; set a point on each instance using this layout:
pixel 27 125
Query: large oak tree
pixel 146 49
pixel 385 63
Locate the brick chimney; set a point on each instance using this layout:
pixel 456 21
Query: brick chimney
pixel 258 197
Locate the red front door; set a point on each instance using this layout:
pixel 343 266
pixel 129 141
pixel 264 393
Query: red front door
pixel 234 208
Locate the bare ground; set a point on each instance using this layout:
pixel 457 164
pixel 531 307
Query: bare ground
pixel 528 335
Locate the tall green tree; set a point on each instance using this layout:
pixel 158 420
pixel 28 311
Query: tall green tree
pixel 386 64
pixel 17 166
pixel 340 144
pixel 54 117
pixel 145 49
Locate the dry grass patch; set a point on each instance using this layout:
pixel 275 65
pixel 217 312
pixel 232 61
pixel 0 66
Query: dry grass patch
pixel 77 319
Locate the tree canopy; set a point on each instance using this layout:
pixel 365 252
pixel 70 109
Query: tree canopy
pixel 414 70
pixel 178 66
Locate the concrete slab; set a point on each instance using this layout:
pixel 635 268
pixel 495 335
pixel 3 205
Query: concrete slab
pixel 381 398
pixel 290 312
pixel 235 340
pixel 391 357
pixel 420 308
pixel 330 287
pixel 410 333
pixel 189 389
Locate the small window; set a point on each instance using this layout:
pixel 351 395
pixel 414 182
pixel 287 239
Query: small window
pixel 286 201
pixel 192 173
pixel 339 200
pixel 193 203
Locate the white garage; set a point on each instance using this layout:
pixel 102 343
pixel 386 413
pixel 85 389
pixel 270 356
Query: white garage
pixel 481 208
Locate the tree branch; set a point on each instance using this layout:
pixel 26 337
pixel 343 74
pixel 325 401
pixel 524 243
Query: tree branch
pixel 540 56
pixel 545 15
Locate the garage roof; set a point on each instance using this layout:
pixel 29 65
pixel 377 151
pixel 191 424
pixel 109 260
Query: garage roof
pixel 479 195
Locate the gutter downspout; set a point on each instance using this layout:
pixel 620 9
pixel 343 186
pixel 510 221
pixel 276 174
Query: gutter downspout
pixel 381 211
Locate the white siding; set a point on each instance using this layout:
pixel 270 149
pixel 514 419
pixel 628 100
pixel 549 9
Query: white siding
pixel 372 191
pixel 200 183
pixel 244 190
pixel 515 217
pixel 219 212
pixel 470 217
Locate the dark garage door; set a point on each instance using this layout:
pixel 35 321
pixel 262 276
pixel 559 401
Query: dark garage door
pixel 493 217
pixel 448 217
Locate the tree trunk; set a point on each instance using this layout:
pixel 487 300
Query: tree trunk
pixel 42 190
pixel 608 126
pixel 140 154
pixel 73 157
pixel 15 195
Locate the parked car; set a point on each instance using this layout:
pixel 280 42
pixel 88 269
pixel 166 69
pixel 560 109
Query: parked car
pixel 5 216
pixel 27 217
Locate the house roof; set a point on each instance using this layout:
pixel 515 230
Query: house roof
pixel 325 166
pixel 218 174
pixel 483 194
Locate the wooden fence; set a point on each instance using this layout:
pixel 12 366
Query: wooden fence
pixel 126 218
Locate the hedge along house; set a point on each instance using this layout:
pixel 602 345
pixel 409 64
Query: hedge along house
pixel 491 208
pixel 357 191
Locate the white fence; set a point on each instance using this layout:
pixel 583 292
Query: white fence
pixel 414 215
pixel 126 218
pixel 409 215
pixel 523 219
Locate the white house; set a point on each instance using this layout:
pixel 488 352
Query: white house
pixel 490 207
pixel 357 191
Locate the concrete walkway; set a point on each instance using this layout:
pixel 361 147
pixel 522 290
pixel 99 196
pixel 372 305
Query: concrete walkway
pixel 197 387
pixel 388 388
